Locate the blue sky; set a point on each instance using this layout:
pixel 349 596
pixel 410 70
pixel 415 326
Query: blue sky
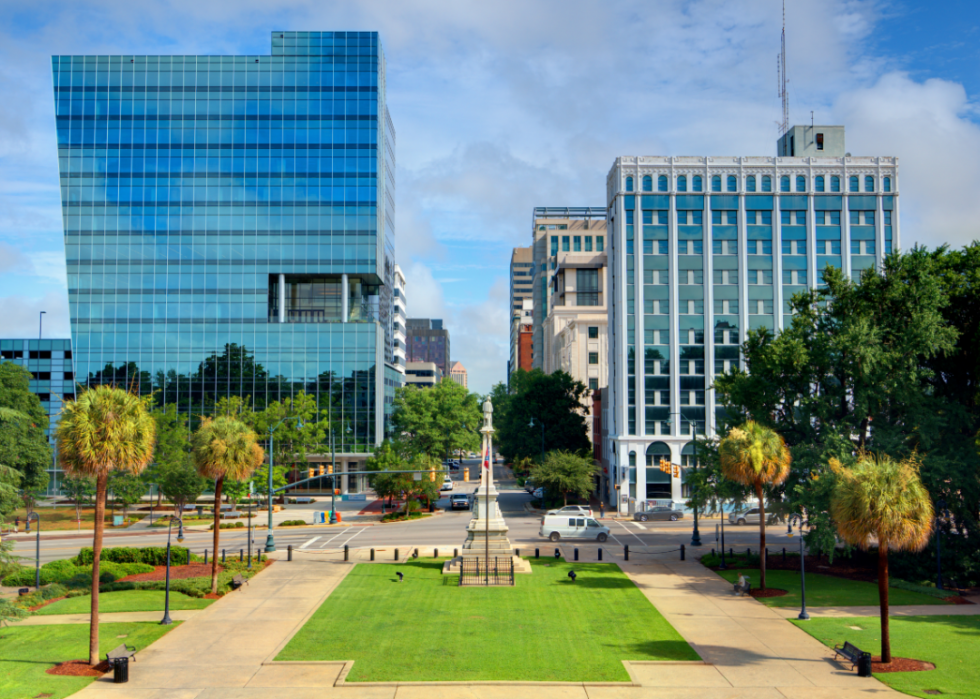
pixel 503 106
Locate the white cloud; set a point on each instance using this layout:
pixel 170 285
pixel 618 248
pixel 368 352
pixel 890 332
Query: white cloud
pixel 13 261
pixel 21 314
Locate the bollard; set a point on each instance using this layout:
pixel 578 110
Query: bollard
pixel 372 554
pixel 731 552
pixel 600 553
pixel 346 553
pixel 626 552
pixel 712 552
pixel 537 553
pixel 289 552
pixel 517 552
pixel 241 555
pixel 222 555
pixel 748 553
pixel 416 554
pixel 766 559
pixel 396 554
pixel 557 553
pixel 576 554
pixel 435 553
pixel 784 556
pixel 682 552
pixel 455 553
pixel 205 556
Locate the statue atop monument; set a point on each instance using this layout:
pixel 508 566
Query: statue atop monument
pixel 488 414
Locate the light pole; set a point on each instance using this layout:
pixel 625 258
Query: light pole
pixel 696 534
pixel 250 530
pixel 531 424
pixel 270 541
pixel 940 509
pixel 789 532
pixel 40 324
pixel 166 598
pixel 722 566
pixel 37 551
pixel 333 476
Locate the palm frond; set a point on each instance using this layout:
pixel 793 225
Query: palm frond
pixel 224 447
pixel 753 454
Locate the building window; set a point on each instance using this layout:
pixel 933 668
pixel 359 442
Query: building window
pixel 588 243
pixel 593 332
pixel 818 183
pixel 759 247
pixel 750 183
pixel 696 182
pixel 565 243
pixel 784 183
pixel 766 183
pixel 593 357
pixel 827 218
pixel 593 384
pixel 599 243
pixel 587 287
pixel 886 184
pixel 682 184
pixel 835 183
pixel 869 183
pixel 732 183
pixel 629 184
pixel 715 183
pixel 577 243
pixel 852 184
pixel 819 141
pixel 662 183
pixel 647 183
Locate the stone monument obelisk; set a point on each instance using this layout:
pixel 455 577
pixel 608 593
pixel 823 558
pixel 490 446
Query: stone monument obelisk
pixel 486 534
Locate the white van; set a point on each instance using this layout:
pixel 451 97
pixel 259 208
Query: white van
pixel 557 527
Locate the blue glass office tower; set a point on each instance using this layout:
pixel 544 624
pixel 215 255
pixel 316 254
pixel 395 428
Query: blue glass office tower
pixel 704 249
pixel 229 225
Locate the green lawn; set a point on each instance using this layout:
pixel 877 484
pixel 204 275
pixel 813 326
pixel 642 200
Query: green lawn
pixel 952 643
pixel 545 628
pixel 125 601
pixel 27 651
pixel 825 590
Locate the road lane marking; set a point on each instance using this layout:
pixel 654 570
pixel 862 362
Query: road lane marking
pixel 338 534
pixel 631 533
pixel 360 530
pixel 638 525
pixel 303 546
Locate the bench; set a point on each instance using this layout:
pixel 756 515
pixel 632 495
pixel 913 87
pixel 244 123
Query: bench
pixel 745 589
pixel 850 652
pixel 238 581
pixel 119 652
pixel 303 500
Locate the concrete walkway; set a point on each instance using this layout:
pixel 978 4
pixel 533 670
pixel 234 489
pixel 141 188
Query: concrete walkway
pixel 894 611
pixel 106 618
pixel 225 651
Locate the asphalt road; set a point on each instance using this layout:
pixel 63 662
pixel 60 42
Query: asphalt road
pixel 447 529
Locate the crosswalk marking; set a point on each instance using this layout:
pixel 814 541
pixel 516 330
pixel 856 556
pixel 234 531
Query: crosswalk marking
pixel 638 525
pixel 303 546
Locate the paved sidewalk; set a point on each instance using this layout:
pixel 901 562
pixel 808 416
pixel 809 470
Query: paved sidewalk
pixel 894 611
pixel 224 651
pixel 175 614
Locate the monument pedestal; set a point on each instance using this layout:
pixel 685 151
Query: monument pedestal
pixel 486 539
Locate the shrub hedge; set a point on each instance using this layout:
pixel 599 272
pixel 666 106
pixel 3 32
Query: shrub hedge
pixel 75 576
pixel 150 555
pixel 293 523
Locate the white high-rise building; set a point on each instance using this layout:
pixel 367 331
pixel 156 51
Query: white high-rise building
pixel 703 249
pixel 399 316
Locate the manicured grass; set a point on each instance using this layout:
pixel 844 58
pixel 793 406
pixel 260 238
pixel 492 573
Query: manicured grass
pixel 825 590
pixel 545 628
pixel 63 517
pixel 27 651
pixel 125 601
pixel 951 643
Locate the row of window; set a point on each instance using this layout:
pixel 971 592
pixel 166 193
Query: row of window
pixel 764 218
pixel 752 247
pixel 819 183
pixel 574 243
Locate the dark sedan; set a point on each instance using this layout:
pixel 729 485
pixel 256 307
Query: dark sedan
pixel 659 513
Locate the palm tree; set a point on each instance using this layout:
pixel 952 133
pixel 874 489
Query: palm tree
pixel 105 429
pixel 883 500
pixel 756 456
pixel 224 447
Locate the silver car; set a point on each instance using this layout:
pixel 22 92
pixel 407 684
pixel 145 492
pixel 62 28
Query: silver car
pixel 752 517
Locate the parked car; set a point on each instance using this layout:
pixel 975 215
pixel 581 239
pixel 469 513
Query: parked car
pixel 459 501
pixel 556 527
pixel 659 513
pixel 537 493
pixel 447 483
pixel 751 516
pixel 452 465
pixel 529 485
pixel 569 510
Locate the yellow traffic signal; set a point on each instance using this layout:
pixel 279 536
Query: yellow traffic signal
pixel 312 473
pixel 664 466
pixel 677 471
pixel 321 470
pixel 330 469
pixel 432 475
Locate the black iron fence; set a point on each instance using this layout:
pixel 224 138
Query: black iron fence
pixel 475 571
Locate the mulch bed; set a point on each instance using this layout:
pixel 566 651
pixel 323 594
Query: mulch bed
pixel 79 668
pixel 900 665
pixel 45 604
pixel 191 570
pixel 768 592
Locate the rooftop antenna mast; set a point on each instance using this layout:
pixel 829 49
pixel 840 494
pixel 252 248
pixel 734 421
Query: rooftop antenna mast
pixel 781 73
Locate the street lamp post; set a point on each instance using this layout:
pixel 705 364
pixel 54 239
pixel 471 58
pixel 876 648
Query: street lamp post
pixel 531 424
pixel 789 532
pixel 37 551
pixel 270 541
pixel 40 324
pixel 250 530
pixel 940 508
pixel 696 534
pixel 722 566
pixel 166 598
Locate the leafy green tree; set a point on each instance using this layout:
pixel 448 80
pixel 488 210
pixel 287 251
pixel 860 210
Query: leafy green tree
pixel 556 401
pixel 173 445
pixel 23 444
pixel 10 478
pixel 127 489
pixel 224 448
pixel 181 483
pixel 81 491
pixel 755 456
pixel 882 500
pixel 298 430
pixel 105 429
pixel 439 420
pixel 566 472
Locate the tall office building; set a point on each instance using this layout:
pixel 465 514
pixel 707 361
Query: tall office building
pixel 457 372
pixel 428 341
pixel 521 277
pixel 52 380
pixel 521 339
pixel 399 320
pixel 230 225
pixel 703 249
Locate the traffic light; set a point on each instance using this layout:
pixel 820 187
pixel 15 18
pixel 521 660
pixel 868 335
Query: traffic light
pixel 330 469
pixel 311 472
pixel 321 470
pixel 677 471
pixel 432 475
pixel 664 466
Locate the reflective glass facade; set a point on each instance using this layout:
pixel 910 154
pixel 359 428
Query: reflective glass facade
pixel 229 224
pixel 702 250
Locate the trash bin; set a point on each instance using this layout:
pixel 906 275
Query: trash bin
pixel 864 665
pixel 120 670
